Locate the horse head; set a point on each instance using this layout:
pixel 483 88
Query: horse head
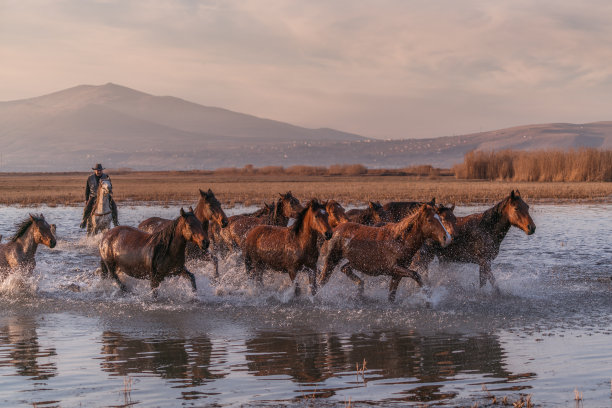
pixel 336 213
pixel 192 229
pixel 105 188
pixel 43 232
pixel 289 205
pixel 209 208
pixel 315 217
pixel 374 212
pixel 516 212
pixel 432 226
pixel 449 221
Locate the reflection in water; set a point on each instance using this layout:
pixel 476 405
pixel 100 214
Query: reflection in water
pixel 174 359
pixel 408 357
pixel 19 348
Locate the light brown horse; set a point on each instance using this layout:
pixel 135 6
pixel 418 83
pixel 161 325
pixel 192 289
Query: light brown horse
pixel 370 215
pixel 478 236
pixel 385 250
pixel 288 249
pixel 232 238
pixel 211 215
pixel 101 216
pixel 20 251
pixel 151 256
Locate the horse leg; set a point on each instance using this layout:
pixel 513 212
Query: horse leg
pixel 348 271
pixel 312 280
pixel 104 270
pixel 292 276
pixel 395 281
pixel 215 261
pixel 486 274
pixel 331 256
pixel 422 259
pixel 191 278
pixel 112 270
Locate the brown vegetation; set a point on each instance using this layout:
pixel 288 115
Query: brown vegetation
pixel 511 165
pixel 253 189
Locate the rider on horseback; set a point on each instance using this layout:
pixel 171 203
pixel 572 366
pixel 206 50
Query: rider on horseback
pixel 91 189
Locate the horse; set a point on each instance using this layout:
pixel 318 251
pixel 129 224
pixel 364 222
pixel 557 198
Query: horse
pixel 368 216
pixel 478 237
pixel 151 256
pixel 208 210
pixel 234 236
pixel 385 250
pixel 100 218
pixel 20 251
pixel 288 249
pixel 336 213
pixel 395 211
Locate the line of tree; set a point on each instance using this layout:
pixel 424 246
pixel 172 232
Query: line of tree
pixel 550 165
pixel 333 170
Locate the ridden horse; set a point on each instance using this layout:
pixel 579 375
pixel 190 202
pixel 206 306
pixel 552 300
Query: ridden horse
pixel 478 237
pixel 385 250
pixel 211 215
pixel 233 237
pixel 151 256
pixel 100 218
pixel 336 213
pixel 368 216
pixel 288 249
pixel 20 251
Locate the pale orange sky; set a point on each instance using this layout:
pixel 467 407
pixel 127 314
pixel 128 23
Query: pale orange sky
pixel 383 68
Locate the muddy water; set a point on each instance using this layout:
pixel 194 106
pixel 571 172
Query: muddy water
pixel 69 338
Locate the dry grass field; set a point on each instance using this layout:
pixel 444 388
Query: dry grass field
pixel 182 187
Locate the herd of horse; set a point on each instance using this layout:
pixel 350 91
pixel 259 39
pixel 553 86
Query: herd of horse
pixel 397 239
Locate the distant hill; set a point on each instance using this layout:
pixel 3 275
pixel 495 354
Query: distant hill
pixel 121 127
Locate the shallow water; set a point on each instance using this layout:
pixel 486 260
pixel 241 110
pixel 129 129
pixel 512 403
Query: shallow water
pixel 68 338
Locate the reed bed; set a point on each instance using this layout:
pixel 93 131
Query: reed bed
pixel 30 189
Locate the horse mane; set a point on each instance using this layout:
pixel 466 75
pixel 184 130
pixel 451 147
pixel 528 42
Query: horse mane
pixel 23 226
pixel 407 223
pixel 493 214
pixel 162 239
pixel 299 220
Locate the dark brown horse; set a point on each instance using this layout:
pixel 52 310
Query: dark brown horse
pixel 211 215
pixel 336 213
pixel 233 237
pixel 385 250
pixel 395 211
pixel 288 249
pixel 20 251
pixel 478 236
pixel 151 256
pixel 370 215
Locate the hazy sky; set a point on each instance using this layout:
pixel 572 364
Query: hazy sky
pixel 380 68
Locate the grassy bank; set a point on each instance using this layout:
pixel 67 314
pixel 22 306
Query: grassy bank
pixel 163 187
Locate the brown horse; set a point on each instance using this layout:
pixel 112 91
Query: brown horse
pixel 478 236
pixel 151 256
pixel 20 251
pixel 368 216
pixel 234 236
pixel 336 213
pixel 211 215
pixel 395 211
pixel 385 250
pixel 288 249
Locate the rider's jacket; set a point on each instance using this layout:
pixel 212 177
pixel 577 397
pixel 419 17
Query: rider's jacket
pixel 91 189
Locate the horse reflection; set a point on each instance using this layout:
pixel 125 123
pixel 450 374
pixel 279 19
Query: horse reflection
pixel 430 360
pixel 19 347
pixel 187 359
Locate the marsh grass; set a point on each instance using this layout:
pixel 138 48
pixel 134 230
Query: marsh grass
pixel 169 188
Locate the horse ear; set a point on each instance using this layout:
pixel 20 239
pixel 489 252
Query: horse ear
pixel 518 193
pixel 203 194
pixel 209 192
pixel 452 208
pixel 512 196
pixel 190 209
pixel 31 217
pixel 182 212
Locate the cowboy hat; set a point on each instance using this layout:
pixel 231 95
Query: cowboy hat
pixel 98 166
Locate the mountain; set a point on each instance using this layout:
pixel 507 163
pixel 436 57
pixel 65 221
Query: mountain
pixel 73 129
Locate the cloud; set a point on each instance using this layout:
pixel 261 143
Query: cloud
pixel 387 68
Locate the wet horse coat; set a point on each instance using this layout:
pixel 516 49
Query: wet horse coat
pixel 288 249
pixel 478 236
pixel 385 250
pixel 101 215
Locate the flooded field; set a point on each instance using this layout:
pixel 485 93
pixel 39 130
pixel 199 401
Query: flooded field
pixel 69 338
